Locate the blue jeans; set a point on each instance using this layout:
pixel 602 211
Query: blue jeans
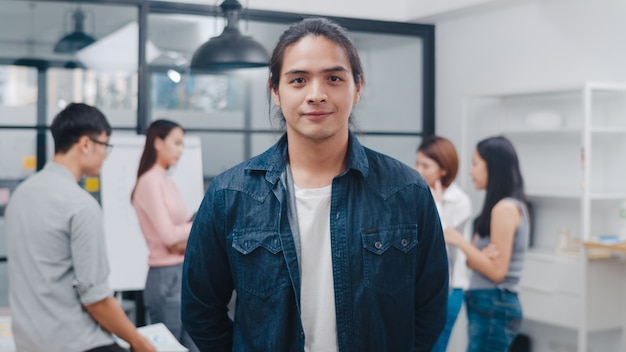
pixel 455 301
pixel 494 319
pixel 162 299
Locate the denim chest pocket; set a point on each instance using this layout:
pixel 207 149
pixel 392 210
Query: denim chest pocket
pixel 260 268
pixel 389 257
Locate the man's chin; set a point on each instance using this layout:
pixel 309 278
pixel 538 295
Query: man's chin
pixel 92 174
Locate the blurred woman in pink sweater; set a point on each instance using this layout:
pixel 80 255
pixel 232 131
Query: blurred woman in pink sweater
pixel 165 223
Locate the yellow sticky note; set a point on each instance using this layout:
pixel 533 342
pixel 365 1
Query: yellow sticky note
pixel 29 162
pixel 92 184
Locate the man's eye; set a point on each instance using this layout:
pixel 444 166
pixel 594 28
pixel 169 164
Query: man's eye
pixel 334 78
pixel 298 80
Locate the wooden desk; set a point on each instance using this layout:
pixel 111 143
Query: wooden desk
pixel 617 247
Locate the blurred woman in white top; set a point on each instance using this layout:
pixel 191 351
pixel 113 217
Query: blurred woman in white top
pixel 438 163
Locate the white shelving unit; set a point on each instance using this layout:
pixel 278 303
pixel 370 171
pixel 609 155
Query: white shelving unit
pixel 571 142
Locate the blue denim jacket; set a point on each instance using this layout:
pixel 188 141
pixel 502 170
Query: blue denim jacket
pixel 389 260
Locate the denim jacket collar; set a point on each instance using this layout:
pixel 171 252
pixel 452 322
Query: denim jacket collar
pixel 274 160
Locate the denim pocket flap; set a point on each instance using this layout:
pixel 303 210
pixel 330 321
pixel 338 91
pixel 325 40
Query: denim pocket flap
pixel 246 241
pixel 379 239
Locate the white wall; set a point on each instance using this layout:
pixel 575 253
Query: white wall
pixel 426 11
pixel 528 44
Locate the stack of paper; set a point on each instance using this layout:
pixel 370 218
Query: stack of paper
pixel 160 337
pixel 6 336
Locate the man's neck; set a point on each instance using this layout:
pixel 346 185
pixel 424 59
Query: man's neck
pixel 314 165
pixel 68 161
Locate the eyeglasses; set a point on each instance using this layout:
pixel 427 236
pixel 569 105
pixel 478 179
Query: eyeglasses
pixel 107 145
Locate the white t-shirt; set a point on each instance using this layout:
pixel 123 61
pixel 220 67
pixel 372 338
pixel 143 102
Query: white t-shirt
pixel 317 293
pixel 455 211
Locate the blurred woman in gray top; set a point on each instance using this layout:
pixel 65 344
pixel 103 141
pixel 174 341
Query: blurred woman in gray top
pixel 496 254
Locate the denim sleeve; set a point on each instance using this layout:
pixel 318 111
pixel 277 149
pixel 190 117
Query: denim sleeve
pixel 431 292
pixel 207 285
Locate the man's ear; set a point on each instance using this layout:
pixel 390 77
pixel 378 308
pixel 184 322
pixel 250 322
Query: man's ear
pixel 358 90
pixel 83 144
pixel 274 92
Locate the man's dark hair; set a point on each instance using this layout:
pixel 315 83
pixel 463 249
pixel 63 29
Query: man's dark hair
pixel 75 121
pixel 318 27
pixel 315 26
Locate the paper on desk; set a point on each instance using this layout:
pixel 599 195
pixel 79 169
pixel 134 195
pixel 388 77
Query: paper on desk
pixel 161 338
pixel 6 336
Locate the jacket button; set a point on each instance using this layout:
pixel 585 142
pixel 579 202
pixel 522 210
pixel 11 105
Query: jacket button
pixel 378 245
pixel 404 242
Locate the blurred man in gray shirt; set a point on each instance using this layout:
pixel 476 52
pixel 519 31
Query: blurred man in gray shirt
pixel 58 267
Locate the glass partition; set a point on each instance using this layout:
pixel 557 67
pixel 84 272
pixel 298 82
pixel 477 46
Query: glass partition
pixel 17 161
pixel 18 109
pixel 18 96
pixel 235 104
pixel 39 26
pixel 114 93
pixel 37 81
pixel 392 96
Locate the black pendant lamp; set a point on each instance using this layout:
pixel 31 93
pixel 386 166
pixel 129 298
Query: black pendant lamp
pixel 231 49
pixel 78 39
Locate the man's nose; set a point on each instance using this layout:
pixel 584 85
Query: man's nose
pixel 317 92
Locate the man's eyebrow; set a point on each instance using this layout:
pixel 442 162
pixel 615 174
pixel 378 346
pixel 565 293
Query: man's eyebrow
pixel 337 69
pixel 330 69
pixel 295 72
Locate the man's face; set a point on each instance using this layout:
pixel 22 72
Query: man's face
pixel 316 90
pixel 96 153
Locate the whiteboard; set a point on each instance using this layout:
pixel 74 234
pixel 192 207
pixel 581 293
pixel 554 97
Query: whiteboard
pixel 126 246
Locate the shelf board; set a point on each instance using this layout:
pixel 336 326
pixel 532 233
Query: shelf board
pixel 607 195
pixel 567 131
pixel 604 86
pixel 615 247
pixel 608 130
pixel 554 193
pixel 543 255
pixel 575 88
pixel 573 194
pixel 541 131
